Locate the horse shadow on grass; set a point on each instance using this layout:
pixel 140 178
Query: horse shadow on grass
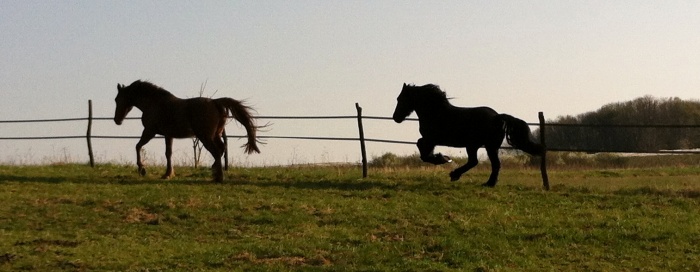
pixel 233 180
pixel 349 185
pixel 127 176
pixel 29 179
pixel 135 179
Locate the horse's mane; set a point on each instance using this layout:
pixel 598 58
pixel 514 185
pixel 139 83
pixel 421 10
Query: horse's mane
pixel 431 91
pixel 148 88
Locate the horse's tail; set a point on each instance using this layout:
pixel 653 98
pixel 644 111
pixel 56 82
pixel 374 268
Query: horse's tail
pixel 241 113
pixel 519 136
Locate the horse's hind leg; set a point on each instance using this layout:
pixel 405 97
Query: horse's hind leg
pixel 169 172
pixel 492 152
pixel 472 161
pixel 218 166
pixel 426 153
pixel 216 148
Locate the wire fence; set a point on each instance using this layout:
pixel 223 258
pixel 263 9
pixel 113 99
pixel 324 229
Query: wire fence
pixel 322 138
pixel 542 126
pixel 260 117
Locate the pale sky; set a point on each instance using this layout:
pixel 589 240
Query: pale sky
pixel 320 57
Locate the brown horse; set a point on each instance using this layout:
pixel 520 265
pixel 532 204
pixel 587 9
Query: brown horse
pixel 172 117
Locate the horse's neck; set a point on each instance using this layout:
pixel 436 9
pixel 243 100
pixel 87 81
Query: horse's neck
pixel 149 103
pixel 433 111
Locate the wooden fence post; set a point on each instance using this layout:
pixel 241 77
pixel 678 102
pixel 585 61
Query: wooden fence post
pixel 88 135
pixel 362 140
pixel 223 134
pixel 543 163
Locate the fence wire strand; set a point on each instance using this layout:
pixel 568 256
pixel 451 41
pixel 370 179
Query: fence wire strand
pixel 63 137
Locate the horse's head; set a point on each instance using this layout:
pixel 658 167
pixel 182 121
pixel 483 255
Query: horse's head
pixel 124 103
pixel 404 104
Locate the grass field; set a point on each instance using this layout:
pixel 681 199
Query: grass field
pixel 75 218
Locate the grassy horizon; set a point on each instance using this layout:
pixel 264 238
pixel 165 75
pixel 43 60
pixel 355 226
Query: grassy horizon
pixel 73 218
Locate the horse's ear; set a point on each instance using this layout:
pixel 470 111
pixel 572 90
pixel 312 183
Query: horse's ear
pixel 404 84
pixel 119 87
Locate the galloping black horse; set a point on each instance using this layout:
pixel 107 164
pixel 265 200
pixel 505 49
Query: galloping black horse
pixel 441 123
pixel 172 117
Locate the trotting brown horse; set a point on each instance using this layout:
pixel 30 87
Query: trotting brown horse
pixel 172 117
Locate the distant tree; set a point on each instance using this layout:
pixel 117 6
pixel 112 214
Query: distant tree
pixel 598 131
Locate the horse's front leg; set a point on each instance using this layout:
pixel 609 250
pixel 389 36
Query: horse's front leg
pixel 426 148
pixel 471 162
pixel 145 138
pixel 169 172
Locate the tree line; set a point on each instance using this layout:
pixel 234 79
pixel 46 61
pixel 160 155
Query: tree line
pixel 621 127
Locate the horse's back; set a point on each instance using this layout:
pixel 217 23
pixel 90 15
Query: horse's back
pixel 204 114
pixel 474 117
pixel 182 118
pixel 462 127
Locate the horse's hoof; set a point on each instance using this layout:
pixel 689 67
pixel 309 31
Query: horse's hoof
pixel 218 178
pixel 166 176
pixel 446 158
pixel 438 159
pixel 142 172
pixel 442 159
pixel 454 176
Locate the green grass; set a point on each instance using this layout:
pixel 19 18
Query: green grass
pixel 73 218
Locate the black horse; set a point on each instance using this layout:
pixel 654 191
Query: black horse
pixel 443 124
